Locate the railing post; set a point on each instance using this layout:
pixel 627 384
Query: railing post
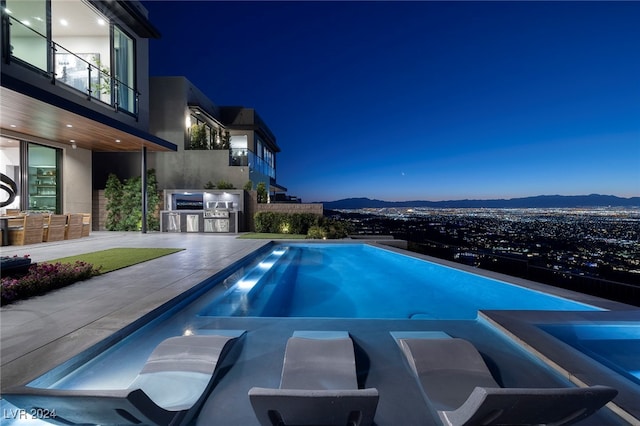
pixel 116 95
pixel 6 35
pixel 52 61
pixel 89 90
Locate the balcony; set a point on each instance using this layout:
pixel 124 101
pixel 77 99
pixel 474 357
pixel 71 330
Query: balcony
pixel 83 73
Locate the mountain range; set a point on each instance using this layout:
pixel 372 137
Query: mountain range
pixel 541 201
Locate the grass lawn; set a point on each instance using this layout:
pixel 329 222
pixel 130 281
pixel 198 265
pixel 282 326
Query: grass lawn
pixel 117 258
pixel 267 236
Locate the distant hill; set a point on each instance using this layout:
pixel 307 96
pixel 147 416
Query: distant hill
pixel 541 201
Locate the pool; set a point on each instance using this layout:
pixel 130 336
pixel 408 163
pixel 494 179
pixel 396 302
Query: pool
pixel 363 281
pixel 304 280
pixel 615 345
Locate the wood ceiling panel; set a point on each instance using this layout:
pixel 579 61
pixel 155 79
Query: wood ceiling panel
pixel 23 115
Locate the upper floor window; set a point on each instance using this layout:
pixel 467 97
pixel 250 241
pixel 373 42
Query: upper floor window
pixel 78 46
pixel 29 31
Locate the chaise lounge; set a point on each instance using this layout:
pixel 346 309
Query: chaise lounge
pixel 459 385
pixel 318 385
pixel 169 390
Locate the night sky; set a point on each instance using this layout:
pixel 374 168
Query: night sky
pixel 423 100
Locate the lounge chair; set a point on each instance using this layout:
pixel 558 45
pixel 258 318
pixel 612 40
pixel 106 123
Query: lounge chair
pixel 318 385
pixel 169 390
pixel 459 385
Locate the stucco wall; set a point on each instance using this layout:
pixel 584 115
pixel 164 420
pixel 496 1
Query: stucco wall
pixel 193 169
pixel 76 179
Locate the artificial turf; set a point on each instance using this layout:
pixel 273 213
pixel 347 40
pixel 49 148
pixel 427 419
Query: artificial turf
pixel 117 258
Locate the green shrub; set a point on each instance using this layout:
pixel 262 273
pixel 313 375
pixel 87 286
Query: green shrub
pixel 284 223
pixel 223 184
pixel 124 203
pixel 262 192
pixel 317 233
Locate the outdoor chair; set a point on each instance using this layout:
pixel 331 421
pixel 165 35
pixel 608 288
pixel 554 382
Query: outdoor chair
pixel 318 385
pixel 74 226
pixel 55 228
pixel 169 390
pixel 26 230
pixel 86 224
pixel 459 385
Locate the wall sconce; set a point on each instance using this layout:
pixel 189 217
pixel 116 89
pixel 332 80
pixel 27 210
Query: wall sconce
pixel 73 144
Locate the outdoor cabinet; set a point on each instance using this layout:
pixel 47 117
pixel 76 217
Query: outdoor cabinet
pixel 209 211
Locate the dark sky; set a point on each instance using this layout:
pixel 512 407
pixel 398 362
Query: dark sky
pixel 423 100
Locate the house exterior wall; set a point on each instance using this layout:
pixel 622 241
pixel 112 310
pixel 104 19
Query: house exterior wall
pixel 76 181
pixel 76 166
pixel 171 98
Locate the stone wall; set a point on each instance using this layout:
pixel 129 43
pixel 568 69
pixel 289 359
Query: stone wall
pixel 99 211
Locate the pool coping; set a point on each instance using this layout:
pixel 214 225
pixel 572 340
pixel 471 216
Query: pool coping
pixel 523 327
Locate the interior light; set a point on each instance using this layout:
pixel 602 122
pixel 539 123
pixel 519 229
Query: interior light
pixel 101 22
pixel 27 22
pixel 64 22
pixel 69 125
pixel 117 140
pixel 12 125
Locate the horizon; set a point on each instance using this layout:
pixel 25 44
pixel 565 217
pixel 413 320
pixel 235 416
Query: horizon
pixel 480 199
pixel 423 100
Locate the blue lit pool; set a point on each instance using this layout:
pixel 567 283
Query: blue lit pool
pixel 363 281
pixel 615 345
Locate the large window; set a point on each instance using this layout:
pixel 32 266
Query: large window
pixel 82 53
pixel 264 159
pixel 124 70
pixel 29 31
pixel 44 178
pixel 238 153
pixel 78 46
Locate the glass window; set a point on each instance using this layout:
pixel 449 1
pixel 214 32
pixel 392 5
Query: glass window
pixel 28 31
pixel 10 166
pixel 44 178
pixel 123 53
pixel 238 152
pixel 82 56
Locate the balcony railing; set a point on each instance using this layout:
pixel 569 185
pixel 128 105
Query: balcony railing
pixel 82 72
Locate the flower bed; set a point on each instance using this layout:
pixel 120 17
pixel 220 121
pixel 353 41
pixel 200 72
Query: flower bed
pixel 42 278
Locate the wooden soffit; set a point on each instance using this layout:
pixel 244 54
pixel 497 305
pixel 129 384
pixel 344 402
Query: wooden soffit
pixel 24 117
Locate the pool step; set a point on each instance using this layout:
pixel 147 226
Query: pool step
pixel 248 293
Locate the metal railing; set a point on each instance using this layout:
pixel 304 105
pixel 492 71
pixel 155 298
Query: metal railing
pixel 82 72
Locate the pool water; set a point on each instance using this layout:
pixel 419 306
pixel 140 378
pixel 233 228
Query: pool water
pixel 615 345
pixel 362 281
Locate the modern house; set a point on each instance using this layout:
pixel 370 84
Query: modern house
pixel 75 83
pixel 230 144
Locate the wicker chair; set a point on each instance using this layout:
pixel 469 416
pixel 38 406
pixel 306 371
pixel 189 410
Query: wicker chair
pixel 55 229
pixel 86 224
pixel 29 230
pixel 74 226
